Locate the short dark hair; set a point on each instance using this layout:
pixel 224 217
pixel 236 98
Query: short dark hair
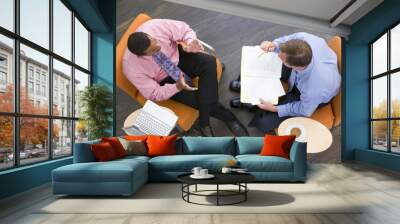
pixel 298 52
pixel 138 42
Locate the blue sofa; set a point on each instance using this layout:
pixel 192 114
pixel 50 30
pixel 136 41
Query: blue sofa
pixel 125 176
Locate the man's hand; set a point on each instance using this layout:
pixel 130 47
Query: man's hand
pixel 181 84
pixel 268 46
pixel 193 47
pixel 267 106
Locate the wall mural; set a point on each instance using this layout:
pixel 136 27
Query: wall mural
pixel 193 62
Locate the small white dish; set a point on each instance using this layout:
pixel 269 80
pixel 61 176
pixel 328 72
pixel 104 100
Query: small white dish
pixel 208 176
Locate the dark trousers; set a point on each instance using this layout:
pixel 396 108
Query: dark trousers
pixel 205 99
pixel 267 121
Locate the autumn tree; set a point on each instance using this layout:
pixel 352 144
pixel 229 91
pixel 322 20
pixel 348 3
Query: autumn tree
pixel 33 131
pixel 380 127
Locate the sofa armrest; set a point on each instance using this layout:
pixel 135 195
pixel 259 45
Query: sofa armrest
pixel 83 152
pixel 298 155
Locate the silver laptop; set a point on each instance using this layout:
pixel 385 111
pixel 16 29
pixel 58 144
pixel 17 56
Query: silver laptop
pixel 152 120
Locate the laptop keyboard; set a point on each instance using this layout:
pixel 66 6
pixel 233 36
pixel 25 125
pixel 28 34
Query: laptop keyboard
pixel 149 125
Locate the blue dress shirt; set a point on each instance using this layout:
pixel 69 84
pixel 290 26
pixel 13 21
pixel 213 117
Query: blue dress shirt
pixel 318 83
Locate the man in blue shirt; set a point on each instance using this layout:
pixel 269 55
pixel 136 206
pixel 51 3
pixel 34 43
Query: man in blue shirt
pixel 310 67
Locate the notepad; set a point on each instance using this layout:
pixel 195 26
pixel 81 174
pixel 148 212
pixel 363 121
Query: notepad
pixel 260 76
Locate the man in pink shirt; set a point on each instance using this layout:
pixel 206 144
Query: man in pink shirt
pixel 161 69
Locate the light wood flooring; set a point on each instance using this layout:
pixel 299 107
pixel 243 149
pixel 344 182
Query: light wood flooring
pixel 378 189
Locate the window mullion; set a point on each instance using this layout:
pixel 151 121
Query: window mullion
pixel 16 69
pixel 50 81
pixel 389 104
pixel 73 82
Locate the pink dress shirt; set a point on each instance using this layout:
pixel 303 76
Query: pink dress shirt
pixel 143 72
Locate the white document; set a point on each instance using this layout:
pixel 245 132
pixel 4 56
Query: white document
pixel 260 76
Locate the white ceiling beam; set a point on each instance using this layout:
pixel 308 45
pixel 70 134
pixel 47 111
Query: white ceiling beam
pixel 348 12
pixel 268 15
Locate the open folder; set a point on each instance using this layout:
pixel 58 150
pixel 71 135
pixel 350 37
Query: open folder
pixel 260 76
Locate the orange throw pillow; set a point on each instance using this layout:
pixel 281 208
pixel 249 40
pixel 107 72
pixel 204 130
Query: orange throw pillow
pixel 161 145
pixel 103 151
pixel 135 137
pixel 116 145
pixel 277 145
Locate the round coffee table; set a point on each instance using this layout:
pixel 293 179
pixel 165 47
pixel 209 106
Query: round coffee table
pixel 238 179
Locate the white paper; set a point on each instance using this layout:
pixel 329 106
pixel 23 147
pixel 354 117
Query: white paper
pixel 260 76
pixel 255 88
pixel 257 63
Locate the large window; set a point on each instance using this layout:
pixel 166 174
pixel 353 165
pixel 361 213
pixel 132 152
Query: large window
pixel 44 64
pixel 385 91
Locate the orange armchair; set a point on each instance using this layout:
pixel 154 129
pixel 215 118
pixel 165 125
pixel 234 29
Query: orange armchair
pixel 186 115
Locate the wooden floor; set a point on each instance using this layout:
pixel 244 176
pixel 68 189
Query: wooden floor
pixel 378 189
pixel 227 34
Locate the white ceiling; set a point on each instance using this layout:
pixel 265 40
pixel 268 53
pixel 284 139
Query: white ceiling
pixel 320 9
pixel 310 14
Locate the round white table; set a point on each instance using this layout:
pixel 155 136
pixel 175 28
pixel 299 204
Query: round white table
pixel 317 136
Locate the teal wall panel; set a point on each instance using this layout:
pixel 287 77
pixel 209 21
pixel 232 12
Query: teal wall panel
pixel 24 178
pixel 356 127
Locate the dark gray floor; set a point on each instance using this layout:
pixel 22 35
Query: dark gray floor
pixel 227 34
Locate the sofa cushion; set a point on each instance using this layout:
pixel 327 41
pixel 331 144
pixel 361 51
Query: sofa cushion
pixel 249 145
pixel 161 145
pixel 83 152
pixel 116 145
pixel 134 147
pixel 185 163
pixel 277 145
pixel 112 171
pixel 208 145
pixel 103 152
pixel 257 163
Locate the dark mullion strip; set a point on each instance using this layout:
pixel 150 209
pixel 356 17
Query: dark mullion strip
pixel 371 89
pixel 36 116
pixel 16 84
pixel 89 52
pixel 8 33
pixel 73 82
pixel 341 11
pixel 389 99
pixel 50 81
pixel 84 70
pixel 386 73
pixel 385 119
pixel 41 49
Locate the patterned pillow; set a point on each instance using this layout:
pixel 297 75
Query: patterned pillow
pixel 133 147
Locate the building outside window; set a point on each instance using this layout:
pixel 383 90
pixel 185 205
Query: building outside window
pixel 57 128
pixel 30 87
pixel 30 72
pixel 3 72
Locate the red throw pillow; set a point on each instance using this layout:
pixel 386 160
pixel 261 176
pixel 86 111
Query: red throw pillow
pixel 161 145
pixel 116 145
pixel 103 151
pixel 277 145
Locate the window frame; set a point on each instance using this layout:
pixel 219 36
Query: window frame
pixel 16 114
pixel 388 74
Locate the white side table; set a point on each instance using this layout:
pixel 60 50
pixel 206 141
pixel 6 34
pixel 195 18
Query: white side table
pixel 317 136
